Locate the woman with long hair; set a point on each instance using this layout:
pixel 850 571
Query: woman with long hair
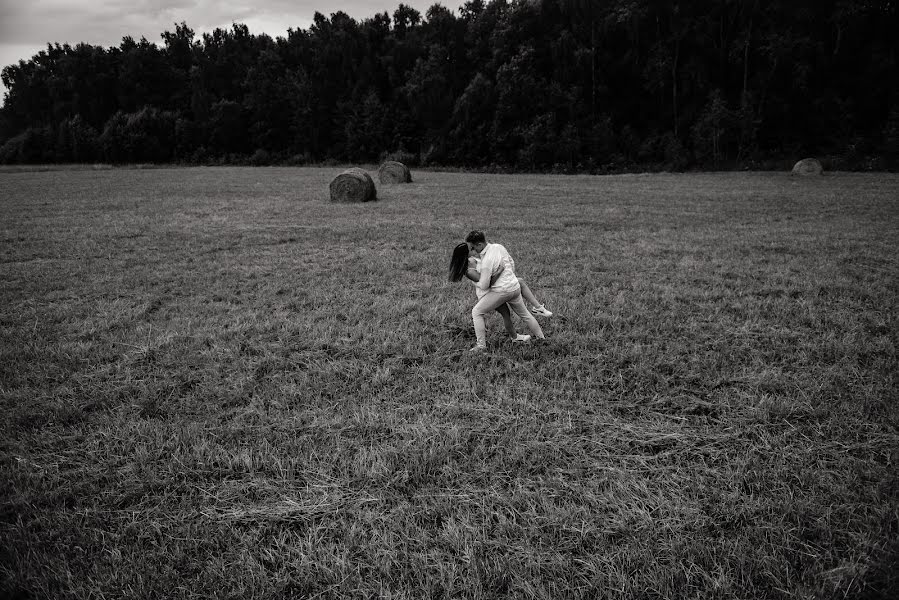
pixel 464 263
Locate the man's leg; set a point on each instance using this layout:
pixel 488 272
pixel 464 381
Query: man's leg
pixel 488 303
pixel 518 307
pixel 507 320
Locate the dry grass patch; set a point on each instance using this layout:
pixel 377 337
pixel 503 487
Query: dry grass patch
pixel 213 388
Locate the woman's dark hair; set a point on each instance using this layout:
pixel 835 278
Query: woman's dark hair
pixel 459 262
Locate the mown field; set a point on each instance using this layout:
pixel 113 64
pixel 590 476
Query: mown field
pixel 217 384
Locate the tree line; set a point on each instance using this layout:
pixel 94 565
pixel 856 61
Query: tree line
pixel 574 85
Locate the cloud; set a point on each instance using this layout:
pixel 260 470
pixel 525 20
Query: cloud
pixel 106 22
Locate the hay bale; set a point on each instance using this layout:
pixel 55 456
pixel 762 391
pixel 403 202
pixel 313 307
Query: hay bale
pixel 808 166
pixel 353 185
pixel 394 172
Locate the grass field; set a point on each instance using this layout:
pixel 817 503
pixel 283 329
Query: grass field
pixel 217 384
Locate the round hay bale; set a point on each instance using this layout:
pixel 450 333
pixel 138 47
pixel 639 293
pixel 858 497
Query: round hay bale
pixel 808 166
pixel 353 185
pixel 394 172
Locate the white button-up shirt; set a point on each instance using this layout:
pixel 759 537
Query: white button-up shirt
pixel 492 257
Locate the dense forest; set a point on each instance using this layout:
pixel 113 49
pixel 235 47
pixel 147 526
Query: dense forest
pixel 568 85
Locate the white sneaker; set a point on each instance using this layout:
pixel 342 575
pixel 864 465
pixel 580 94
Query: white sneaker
pixel 478 348
pixel 521 339
pixel 541 310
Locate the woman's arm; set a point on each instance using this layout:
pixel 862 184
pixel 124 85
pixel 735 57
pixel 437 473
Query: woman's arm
pixel 473 272
pixel 476 275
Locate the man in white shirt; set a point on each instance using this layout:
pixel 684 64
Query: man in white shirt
pixel 496 264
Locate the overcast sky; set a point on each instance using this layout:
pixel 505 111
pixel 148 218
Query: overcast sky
pixel 26 26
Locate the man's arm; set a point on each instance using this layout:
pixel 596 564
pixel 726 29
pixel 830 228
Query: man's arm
pixel 490 280
pixel 486 276
pixel 496 275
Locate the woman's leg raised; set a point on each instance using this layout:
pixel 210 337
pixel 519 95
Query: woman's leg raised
pixel 527 294
pixel 531 299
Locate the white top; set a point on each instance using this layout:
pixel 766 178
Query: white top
pixel 475 263
pixel 492 257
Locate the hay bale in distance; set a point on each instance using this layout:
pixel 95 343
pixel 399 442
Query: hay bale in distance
pixel 353 185
pixel 808 166
pixel 394 172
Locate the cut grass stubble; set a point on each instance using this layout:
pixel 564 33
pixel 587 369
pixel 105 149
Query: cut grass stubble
pixel 216 386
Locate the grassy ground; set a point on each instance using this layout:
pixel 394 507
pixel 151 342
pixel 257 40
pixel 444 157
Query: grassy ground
pixel 215 383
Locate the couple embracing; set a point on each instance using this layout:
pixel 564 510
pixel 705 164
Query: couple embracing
pixel 492 271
